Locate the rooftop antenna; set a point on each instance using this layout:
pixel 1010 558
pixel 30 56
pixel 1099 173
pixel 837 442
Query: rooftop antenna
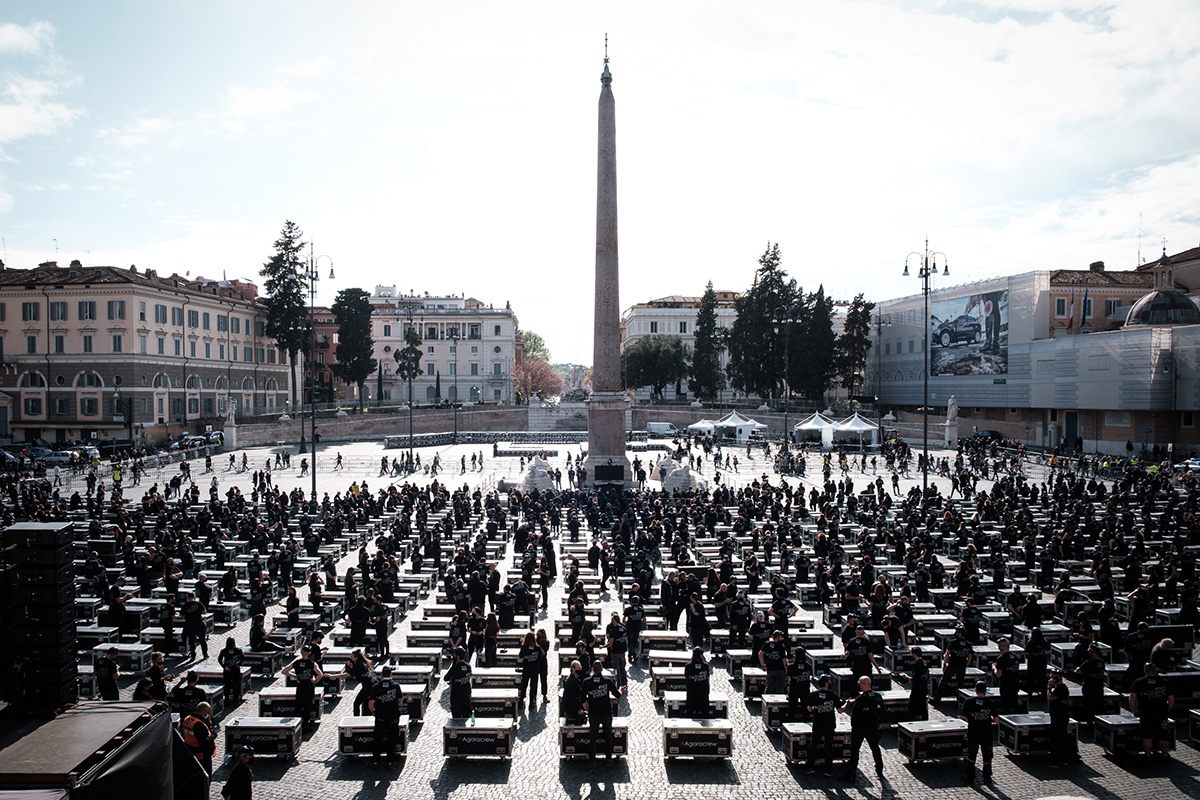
pixel 56 249
pixel 606 48
pixel 1139 260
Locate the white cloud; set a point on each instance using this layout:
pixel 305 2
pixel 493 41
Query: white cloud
pixel 136 133
pixel 83 161
pixel 306 69
pixel 30 38
pixel 267 101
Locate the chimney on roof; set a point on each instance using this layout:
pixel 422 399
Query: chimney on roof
pixel 49 264
pixel 1096 266
pixel 133 269
pixel 76 264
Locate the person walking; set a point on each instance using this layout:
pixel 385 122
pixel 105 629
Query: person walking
pixel 384 705
pixel 866 712
pixel 240 784
pixel 979 714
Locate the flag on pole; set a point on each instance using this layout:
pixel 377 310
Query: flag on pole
pixel 1083 309
pixel 1071 314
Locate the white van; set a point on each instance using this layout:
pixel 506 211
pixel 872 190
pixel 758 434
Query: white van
pixel 661 430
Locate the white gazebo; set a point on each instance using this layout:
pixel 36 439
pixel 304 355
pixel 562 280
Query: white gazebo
pixel 735 426
pixel 703 427
pixel 859 424
pixel 818 422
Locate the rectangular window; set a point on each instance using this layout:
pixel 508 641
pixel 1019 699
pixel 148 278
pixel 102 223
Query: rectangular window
pixel 159 403
pixel 116 406
pixel 208 406
pixel 62 406
pixel 270 356
pixel 1116 419
pixel 1110 307
pixel 222 323
pixel 208 349
pixel 160 313
pixel 145 404
pixel 887 348
pixel 431 332
pixel 474 368
pixel 193 318
pixel 58 311
pixel 260 355
pixel 177 406
pixel 233 352
pixel 260 328
pixel 31 312
pixel 496 369
pixel 221 351
pixel 654 327
pixel 247 354
pixel 473 332
pixel 33 406
pixel 496 395
pixel 142 344
pixel 912 345
pixel 88 407
pixel 387 330
pixel 193 405
pixel 162 346
pixel 87 343
pixel 3 313
pixel 683 327
pixel 141 310
pixel 1087 308
pixel 1060 306
pixel 192 349
pixel 177 316
pixel 429 368
pixel 178 346
pixel 236 322
pixel 1187 419
pixel 453 369
pixel 87 310
pixel 497 333
pixel 116 309
pixel 206 320
pixel 60 344
pixel 118 343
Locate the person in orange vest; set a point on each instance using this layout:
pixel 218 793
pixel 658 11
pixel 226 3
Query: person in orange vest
pixel 199 736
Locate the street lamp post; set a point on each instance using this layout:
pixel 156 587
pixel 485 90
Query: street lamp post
pixel 455 337
pixel 301 329
pixel 312 276
pixel 785 318
pixel 926 269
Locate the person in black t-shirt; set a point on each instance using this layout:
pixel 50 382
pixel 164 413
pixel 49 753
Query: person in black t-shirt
pixel 107 672
pixel 1057 698
pixel 307 675
pixel 1151 700
pixel 194 631
pixel 459 679
pixel 823 705
pixel 231 659
pixel 866 712
pixel 773 657
pixel 695 674
pixel 572 701
pixel 595 692
pixel 799 681
pixel 1006 671
pixel 385 706
pixel 918 693
pixel 1092 671
pixel 955 661
pixel 859 657
pixel 979 715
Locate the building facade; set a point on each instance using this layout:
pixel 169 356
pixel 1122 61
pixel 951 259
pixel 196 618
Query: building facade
pixel 676 316
pixel 103 352
pixel 1044 357
pixel 469 349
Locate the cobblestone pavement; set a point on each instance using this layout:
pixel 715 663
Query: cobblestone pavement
pixel 756 770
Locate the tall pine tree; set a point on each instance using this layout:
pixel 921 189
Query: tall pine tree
pixel 756 350
pixel 355 351
pixel 707 379
pixel 287 315
pixel 854 344
pixel 812 362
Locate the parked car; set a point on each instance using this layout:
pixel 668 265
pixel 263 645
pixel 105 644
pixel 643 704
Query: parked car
pixel 215 437
pixel 40 453
pixel 189 442
pixel 963 328
pixel 986 436
pixel 1191 465
pixel 58 457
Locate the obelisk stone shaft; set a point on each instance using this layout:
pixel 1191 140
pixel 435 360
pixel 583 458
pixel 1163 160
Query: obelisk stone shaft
pixel 607 404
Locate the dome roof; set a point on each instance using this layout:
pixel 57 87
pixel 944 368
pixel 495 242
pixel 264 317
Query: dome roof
pixel 1164 307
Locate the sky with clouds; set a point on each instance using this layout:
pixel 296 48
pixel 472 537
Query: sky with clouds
pixel 450 147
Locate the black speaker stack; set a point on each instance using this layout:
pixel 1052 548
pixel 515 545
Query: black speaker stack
pixel 38 649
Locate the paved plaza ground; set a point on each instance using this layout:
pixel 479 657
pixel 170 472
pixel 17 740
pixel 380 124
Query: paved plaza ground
pixel 757 769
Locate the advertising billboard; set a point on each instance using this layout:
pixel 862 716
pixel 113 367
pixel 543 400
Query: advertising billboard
pixel 969 335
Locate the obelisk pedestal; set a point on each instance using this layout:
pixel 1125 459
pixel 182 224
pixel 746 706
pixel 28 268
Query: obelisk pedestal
pixel 606 461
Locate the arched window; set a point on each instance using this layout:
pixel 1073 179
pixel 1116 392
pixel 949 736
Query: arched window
pixel 193 382
pixel 272 385
pixel 222 384
pixel 248 384
pixel 161 381
pixel 33 380
pixel 89 380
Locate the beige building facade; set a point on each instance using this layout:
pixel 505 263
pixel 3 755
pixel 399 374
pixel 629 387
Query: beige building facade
pixel 90 353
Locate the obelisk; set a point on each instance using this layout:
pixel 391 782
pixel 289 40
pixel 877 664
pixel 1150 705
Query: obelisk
pixel 606 461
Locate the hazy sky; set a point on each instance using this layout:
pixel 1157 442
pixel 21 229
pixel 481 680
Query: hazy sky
pixel 450 147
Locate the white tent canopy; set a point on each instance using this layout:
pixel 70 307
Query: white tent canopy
pixel 860 425
pixel 702 426
pixel 818 422
pixel 735 426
